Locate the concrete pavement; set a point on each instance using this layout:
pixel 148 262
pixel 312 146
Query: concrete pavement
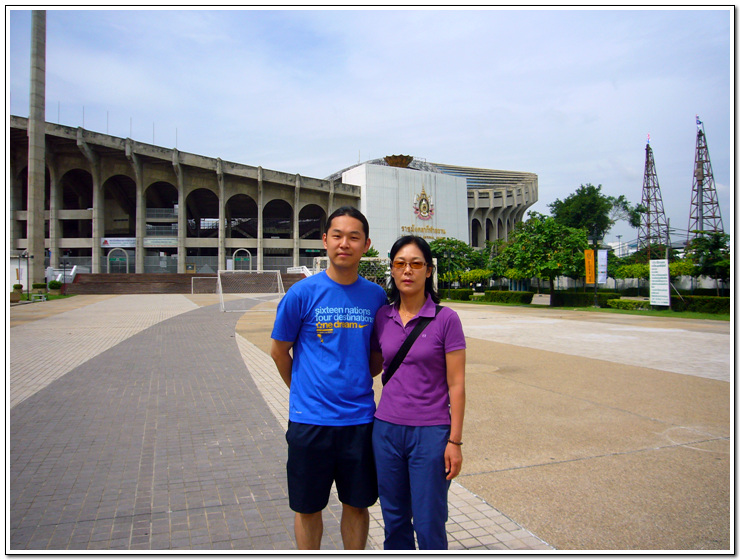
pixel 157 422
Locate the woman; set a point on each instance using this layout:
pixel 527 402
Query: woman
pixel 417 436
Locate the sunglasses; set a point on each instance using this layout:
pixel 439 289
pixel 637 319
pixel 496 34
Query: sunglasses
pixel 401 265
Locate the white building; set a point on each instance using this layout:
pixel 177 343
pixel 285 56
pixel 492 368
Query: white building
pixel 401 195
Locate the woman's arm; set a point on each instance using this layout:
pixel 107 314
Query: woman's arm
pixel 456 382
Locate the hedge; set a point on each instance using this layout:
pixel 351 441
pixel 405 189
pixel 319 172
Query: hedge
pixel 629 304
pixel 699 304
pixel 580 299
pixel 500 296
pixel 459 295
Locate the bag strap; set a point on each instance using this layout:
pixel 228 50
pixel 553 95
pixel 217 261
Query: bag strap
pixel 406 346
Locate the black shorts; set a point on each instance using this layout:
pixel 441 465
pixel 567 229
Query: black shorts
pixel 320 455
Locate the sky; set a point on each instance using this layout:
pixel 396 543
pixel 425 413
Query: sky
pixel 568 94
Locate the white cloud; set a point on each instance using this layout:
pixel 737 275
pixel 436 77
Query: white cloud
pixel 568 94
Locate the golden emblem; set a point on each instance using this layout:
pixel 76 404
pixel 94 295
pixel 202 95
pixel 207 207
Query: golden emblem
pixel 423 207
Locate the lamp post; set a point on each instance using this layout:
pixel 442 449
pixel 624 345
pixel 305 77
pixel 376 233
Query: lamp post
pixel 595 241
pixel 28 272
pixel 64 275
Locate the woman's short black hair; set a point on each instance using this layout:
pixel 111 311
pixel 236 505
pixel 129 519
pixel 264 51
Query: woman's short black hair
pixel 394 295
pixel 352 212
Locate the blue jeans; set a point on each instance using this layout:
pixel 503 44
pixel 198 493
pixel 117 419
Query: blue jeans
pixel 411 484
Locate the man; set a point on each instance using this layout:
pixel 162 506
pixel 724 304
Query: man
pixel 327 320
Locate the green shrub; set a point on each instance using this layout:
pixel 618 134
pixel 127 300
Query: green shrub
pixel 571 299
pixel 701 304
pixel 698 304
pixel 55 285
pixel 581 299
pixel 508 296
pixel 17 286
pixel 459 295
pixel 628 304
pixel 711 292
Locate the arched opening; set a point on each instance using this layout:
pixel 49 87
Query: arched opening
pixel 202 214
pixel 160 240
pixel 311 222
pixel 241 217
pixel 277 219
pixel 120 207
pixel 476 233
pixel 490 231
pixel 76 187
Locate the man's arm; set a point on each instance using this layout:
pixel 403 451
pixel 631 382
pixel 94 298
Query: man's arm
pixel 280 353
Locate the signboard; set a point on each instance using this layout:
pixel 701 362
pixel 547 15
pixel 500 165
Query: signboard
pixel 660 283
pixel 160 242
pixel 602 266
pixel 129 242
pixel 590 276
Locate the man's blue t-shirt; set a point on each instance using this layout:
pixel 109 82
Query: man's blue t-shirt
pixel 330 326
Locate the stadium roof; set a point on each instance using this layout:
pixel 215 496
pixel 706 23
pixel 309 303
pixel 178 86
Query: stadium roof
pixel 476 178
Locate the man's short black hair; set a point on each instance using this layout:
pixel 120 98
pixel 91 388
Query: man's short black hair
pixel 352 212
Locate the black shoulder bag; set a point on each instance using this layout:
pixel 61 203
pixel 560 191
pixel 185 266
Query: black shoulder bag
pixel 404 349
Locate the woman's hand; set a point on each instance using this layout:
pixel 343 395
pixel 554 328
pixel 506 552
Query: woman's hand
pixel 453 460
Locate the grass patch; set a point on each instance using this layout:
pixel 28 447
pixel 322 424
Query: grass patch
pixel 49 297
pixel 641 312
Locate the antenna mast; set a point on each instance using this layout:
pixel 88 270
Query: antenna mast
pixel 704 215
pixel 653 226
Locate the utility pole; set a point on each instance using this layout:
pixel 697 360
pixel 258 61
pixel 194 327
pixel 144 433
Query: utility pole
pixel 653 226
pixel 704 215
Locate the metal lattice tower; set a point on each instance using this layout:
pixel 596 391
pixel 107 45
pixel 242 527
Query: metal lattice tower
pixel 704 214
pixel 653 226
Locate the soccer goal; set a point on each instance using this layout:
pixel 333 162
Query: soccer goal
pixel 375 269
pixel 240 290
pixel 204 285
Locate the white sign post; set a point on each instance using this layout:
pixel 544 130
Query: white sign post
pixel 660 283
pixel 602 260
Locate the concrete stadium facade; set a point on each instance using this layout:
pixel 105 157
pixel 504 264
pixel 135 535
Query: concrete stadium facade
pixel 113 202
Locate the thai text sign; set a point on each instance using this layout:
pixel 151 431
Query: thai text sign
pixel 660 283
pixel 590 274
pixel 602 266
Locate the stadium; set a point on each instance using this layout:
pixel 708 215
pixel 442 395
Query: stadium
pixel 115 205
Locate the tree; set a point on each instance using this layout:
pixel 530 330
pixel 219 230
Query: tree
pixel 543 248
pixel 455 256
pixel 593 211
pixel 711 254
pixel 372 252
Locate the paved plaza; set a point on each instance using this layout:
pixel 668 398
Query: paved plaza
pixel 156 422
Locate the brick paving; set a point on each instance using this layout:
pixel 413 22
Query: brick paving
pixel 136 426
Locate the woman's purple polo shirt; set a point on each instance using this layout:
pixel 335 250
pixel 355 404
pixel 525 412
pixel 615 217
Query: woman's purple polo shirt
pixel 417 394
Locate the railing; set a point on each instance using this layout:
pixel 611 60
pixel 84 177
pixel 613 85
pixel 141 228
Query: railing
pixel 300 270
pixel 160 264
pixel 161 212
pixel 163 230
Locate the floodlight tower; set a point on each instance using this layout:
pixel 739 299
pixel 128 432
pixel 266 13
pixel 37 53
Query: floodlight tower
pixel 653 225
pixel 704 215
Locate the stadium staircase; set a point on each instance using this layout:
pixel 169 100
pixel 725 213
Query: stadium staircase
pixel 156 283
